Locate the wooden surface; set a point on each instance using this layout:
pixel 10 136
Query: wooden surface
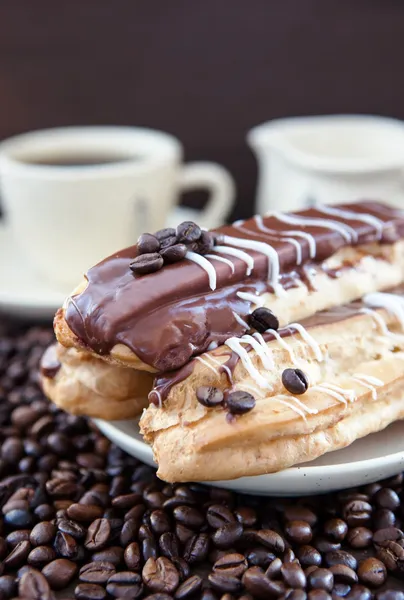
pixel 204 71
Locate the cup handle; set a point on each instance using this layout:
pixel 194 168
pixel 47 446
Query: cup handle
pixel 219 183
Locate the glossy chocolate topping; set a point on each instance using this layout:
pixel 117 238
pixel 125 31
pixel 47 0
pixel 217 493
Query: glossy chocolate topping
pixel 169 316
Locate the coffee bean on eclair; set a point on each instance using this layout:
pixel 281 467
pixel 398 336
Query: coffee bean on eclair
pixel 169 241
pixel 240 402
pixel 188 231
pixel 209 396
pixel 205 243
pixel 147 244
pixel 146 263
pixel 262 319
pixel 295 381
pixel 174 253
pixel 162 234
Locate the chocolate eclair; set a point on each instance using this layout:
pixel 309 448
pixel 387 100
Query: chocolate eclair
pixel 264 402
pixel 142 310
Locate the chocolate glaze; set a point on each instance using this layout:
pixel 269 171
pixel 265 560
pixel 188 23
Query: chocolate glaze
pixel 169 316
pixel 50 363
pixel 163 385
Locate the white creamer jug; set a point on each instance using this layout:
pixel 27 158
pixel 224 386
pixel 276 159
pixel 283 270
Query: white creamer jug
pixel 328 159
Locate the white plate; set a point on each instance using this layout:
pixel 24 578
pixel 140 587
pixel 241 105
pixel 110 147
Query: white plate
pixel 374 457
pixel 22 293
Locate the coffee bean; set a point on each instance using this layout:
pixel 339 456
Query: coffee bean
pixel 341 557
pixel 321 579
pixel 59 573
pixel 65 545
pixel 34 585
pixel 132 556
pixel 188 232
pixel 372 571
pixel 188 588
pixel 259 586
pixel 146 263
pixel 295 381
pixel 218 515
pixel 75 530
pixel 42 534
pixel 188 516
pixel 196 548
pixel 270 539
pixel 147 243
pixel 260 557
pixel 160 575
pixel 387 498
pixel 126 501
pixel 227 535
pixel 169 545
pixel 384 518
pixel 336 529
pixel 262 319
pixel 19 518
pixel 231 564
pixel 318 595
pixel 308 556
pixel 389 534
pixel 15 537
pixel 163 234
pixel 18 555
pixel 246 516
pixel 174 253
pixel 293 575
pixel 295 595
pixel 357 512
pixel 96 572
pixel 239 402
pixel 390 595
pixel 224 583
pixel 112 554
pixel 98 534
pixel 125 584
pixel 159 522
pixel 84 513
pixel 295 512
pixel 90 591
pixel 359 537
pixel 343 574
pixel 392 555
pixel 12 450
pixel 209 396
pixel 41 556
pixel 299 532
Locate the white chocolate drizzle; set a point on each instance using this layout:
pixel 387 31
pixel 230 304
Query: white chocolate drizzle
pixel 251 388
pixel 369 382
pixel 222 259
pixel 267 350
pixel 348 233
pixel 350 215
pixel 326 390
pixel 260 349
pixel 390 302
pixel 212 346
pixel 296 405
pixel 289 240
pixel 348 394
pixel 249 261
pixel 284 344
pixel 253 298
pixel 302 234
pixel 308 339
pixel 235 345
pixel 206 265
pixel 240 320
pixel 288 404
pixel 263 248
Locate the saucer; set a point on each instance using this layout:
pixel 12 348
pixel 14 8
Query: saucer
pixel 374 457
pixel 22 293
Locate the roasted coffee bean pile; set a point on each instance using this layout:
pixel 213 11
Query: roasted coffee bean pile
pixel 81 519
pixel 170 245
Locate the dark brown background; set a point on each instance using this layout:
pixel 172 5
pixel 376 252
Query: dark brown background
pixel 205 71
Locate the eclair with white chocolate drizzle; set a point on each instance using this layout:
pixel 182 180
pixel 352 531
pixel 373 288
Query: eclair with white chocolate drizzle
pixel 295 264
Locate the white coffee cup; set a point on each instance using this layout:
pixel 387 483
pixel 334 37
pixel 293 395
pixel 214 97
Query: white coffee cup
pixel 328 159
pixel 66 217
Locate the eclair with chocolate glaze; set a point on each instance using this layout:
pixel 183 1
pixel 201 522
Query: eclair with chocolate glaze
pixel 264 402
pixel 295 264
pixel 82 384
